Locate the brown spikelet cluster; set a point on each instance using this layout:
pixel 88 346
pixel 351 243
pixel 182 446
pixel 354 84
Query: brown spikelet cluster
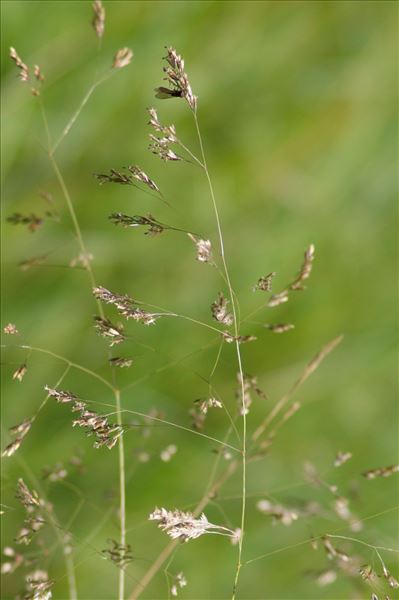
pixel 134 174
pixel 32 221
pixel 23 71
pixel 241 339
pixel 341 458
pixel 55 473
pixel 168 131
pixel 249 385
pixel 82 260
pixel 219 310
pixel 278 512
pixel 154 227
pixel 22 67
pixel 14 560
pixel 177 79
pixel 264 283
pixel 280 327
pixel 305 270
pixel 93 423
pixel 179 582
pixel 160 146
pixel 121 362
pixel 113 333
pixel 183 526
pixel 126 306
pixel 204 404
pixel 122 58
pixel 10 329
pixel 38 73
pixel 200 410
pixel 98 18
pixel 334 552
pixel 381 472
pixel 27 498
pixel 341 507
pixel 33 504
pixel 19 374
pixel 62 396
pixel 204 249
pixel 297 284
pixel 35 261
pixel 38 585
pixel 20 432
pixel 119 554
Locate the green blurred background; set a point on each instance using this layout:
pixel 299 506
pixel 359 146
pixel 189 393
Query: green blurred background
pixel 297 109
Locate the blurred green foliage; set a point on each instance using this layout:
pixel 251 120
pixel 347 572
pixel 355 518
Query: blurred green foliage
pixel 297 109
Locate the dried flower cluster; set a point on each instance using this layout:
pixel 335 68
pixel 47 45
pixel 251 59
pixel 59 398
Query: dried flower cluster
pixel 98 18
pixel 38 586
pixel 341 458
pixel 161 147
pixel 106 329
pixel 164 138
pixel 179 582
pixel 342 510
pixel 32 221
pixel 219 310
pixel 168 131
pixel 14 561
pixel 22 67
pixel 297 284
pixel 122 363
pixel 82 260
pixel 25 265
pixel 334 552
pixel 154 227
pixel 241 339
pixel 177 79
pixel 122 58
pixel 381 472
pixel 205 404
pixel 118 554
pixel 168 453
pixel 134 174
pixel 198 418
pixel 27 498
pixel 183 526
pixel 56 473
pixel 23 70
pixel 204 249
pixel 62 396
pixel 93 423
pixel 10 329
pixel 249 384
pixel 125 305
pixel 19 374
pixel 20 432
pixel 280 327
pixel 32 504
pixel 265 283
pixel 279 513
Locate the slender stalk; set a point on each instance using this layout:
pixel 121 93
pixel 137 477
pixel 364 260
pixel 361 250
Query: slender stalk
pixel 167 551
pixel 93 284
pixel 69 563
pixel 122 493
pixel 81 106
pixel 236 333
pixel 309 369
pixel 212 488
pixel 65 360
